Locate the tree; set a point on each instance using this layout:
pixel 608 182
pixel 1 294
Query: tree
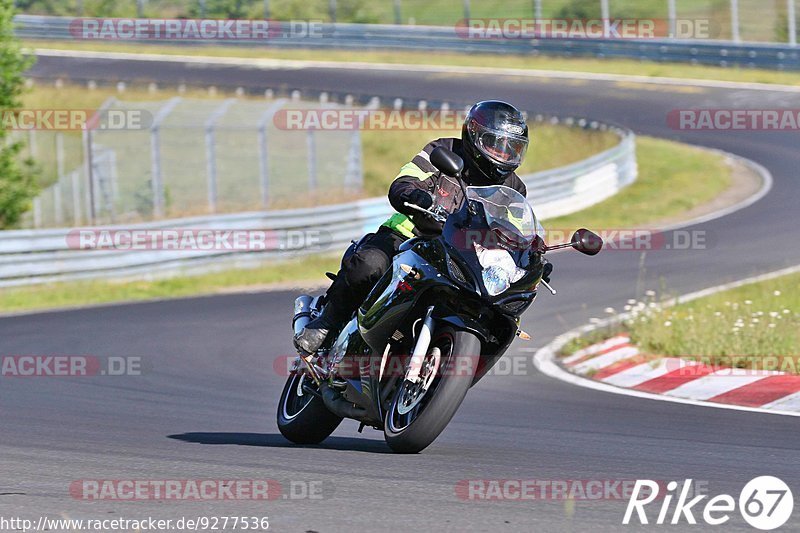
pixel 17 178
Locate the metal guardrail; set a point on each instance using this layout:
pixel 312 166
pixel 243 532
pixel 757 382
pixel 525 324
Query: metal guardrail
pixel 384 36
pixel 42 256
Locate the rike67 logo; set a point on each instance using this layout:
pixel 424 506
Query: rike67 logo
pixel 765 503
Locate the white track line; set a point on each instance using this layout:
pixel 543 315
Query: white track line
pixel 544 359
pixel 272 64
pixel 646 371
pixel 713 384
pixel 597 348
pixel 607 359
pixel 787 403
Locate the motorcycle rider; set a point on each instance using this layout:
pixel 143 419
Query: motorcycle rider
pixel 494 139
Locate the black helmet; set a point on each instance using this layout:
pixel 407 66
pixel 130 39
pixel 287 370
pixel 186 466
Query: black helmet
pixel 495 139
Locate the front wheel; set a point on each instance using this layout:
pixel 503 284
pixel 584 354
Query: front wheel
pixel 420 411
pixel 303 417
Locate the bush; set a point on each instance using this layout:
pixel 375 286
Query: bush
pixel 17 178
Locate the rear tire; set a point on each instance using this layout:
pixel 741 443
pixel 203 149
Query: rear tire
pixel 303 418
pixel 413 431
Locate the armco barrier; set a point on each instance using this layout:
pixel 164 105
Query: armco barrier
pixel 41 256
pixel 385 36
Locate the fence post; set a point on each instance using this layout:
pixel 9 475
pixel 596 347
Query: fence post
pixel 155 157
pixel 467 10
pixel 673 19
pixel 88 166
pixel 354 176
pixel 537 9
pixel 76 198
pixel 211 153
pixel 398 16
pixel 140 8
pixel 32 151
pixel 58 211
pixel 202 8
pixel 263 151
pixel 332 10
pixel 37 212
pixel 311 147
pixel 791 15
pixel 60 176
pixel 266 9
pixel 605 14
pixel 735 21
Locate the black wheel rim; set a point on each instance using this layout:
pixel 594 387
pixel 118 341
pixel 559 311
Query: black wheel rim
pixel 294 403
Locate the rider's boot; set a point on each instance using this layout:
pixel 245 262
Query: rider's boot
pixel 314 334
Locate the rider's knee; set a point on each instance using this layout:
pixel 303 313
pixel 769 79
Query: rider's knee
pixel 365 266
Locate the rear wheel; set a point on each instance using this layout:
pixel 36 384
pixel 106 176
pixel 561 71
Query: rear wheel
pixel 303 417
pixel 420 411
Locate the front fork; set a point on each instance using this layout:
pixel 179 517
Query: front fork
pixel 421 347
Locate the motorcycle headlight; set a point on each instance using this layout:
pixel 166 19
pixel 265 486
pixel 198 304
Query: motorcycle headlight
pixel 499 269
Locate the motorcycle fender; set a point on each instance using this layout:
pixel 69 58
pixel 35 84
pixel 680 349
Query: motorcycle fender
pixel 466 324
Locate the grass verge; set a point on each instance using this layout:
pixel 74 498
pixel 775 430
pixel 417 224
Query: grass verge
pixel 667 186
pixel 562 64
pixel 756 326
pixel 662 164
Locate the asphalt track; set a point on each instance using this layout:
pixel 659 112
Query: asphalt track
pixel 204 406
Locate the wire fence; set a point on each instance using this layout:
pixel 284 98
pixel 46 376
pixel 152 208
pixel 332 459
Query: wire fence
pixel 184 157
pixel 736 20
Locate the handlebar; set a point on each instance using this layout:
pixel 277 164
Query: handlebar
pixel 436 216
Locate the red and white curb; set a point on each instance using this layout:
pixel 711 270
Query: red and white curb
pixel 616 366
pixel 617 362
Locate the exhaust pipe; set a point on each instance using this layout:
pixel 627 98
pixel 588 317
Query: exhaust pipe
pixel 302 313
pixel 339 406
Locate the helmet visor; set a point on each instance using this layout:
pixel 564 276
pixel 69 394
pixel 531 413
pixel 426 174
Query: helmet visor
pixel 501 147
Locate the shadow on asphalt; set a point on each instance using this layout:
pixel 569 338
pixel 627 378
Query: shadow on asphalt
pixel 276 440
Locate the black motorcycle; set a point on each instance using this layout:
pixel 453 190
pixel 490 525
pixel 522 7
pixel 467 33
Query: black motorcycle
pixel 432 327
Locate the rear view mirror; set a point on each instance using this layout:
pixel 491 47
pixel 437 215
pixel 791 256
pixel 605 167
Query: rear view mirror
pixel 447 162
pixel 587 242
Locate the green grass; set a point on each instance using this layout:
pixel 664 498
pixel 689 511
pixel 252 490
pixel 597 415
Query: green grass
pixel 667 186
pixel 591 65
pixel 654 187
pixel 70 294
pixel 754 326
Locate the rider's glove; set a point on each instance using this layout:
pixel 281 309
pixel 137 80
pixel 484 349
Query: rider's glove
pixel 421 198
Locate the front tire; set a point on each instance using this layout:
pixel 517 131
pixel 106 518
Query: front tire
pixel 303 417
pixel 413 423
